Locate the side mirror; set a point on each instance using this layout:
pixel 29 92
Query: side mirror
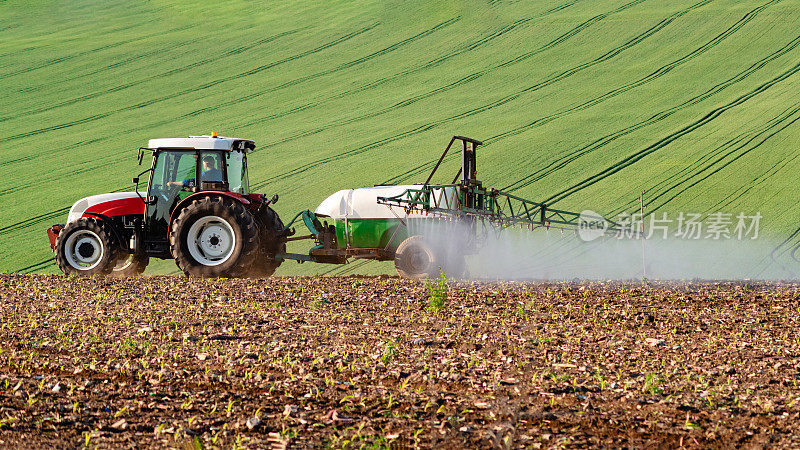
pixel 136 184
pixel 274 199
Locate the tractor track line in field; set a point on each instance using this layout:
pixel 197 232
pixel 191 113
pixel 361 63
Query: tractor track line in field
pixel 121 87
pixel 338 68
pixel 383 51
pixel 754 183
pixel 22 187
pixel 463 81
pixel 702 164
pixel 17 160
pixel 91 51
pixel 428 126
pixel 364 87
pixel 34 220
pixel 201 87
pixel 38 266
pixel 114 65
pixel 62 149
pixel 47 216
pixel 779 248
pixel 665 141
pixel 786 246
pixel 607 139
pixel 341 67
pixel 741 149
pixel 658 73
pixel 541 173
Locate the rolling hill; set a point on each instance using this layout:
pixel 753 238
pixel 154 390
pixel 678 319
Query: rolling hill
pixel 582 104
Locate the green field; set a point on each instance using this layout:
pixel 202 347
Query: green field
pixel 580 103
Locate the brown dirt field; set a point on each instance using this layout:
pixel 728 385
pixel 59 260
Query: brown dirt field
pixel 364 362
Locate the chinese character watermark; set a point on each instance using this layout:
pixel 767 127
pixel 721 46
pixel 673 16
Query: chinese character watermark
pixel 686 225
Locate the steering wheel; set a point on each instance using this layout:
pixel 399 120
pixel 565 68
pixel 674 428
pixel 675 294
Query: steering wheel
pixel 168 193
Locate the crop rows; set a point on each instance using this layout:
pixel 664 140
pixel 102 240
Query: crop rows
pixel 359 361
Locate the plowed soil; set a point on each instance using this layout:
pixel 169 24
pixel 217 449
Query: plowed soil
pixel 370 362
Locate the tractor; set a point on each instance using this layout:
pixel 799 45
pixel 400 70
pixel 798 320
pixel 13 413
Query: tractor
pixel 198 209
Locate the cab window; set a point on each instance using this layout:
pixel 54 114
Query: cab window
pixel 211 167
pixel 237 172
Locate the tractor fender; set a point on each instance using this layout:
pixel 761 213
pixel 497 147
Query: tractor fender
pixel 183 203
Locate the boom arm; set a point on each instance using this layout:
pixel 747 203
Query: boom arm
pixel 469 199
pixel 503 209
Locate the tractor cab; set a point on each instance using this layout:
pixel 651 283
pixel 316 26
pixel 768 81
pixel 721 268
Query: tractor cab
pixel 183 167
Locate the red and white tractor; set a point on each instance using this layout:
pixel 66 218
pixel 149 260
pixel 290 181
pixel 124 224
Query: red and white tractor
pixel 198 209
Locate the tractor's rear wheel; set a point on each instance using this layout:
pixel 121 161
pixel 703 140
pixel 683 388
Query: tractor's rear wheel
pixel 130 264
pixel 86 247
pixel 214 236
pixel 272 242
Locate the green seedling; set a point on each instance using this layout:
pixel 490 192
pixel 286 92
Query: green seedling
pixel 652 384
pixel 437 292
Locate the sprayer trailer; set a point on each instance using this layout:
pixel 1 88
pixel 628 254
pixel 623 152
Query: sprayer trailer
pixel 199 211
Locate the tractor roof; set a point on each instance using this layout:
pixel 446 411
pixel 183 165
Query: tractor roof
pixel 204 142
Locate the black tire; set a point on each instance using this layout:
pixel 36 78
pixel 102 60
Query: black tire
pixel 86 247
pixel 272 242
pixel 214 221
pixel 130 264
pixel 416 258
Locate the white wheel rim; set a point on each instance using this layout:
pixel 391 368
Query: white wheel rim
pixel 84 250
pixel 211 240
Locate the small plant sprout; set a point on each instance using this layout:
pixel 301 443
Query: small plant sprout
pixel 652 384
pixel 230 407
pixel 437 292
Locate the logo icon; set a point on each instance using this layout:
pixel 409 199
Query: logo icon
pixel 591 225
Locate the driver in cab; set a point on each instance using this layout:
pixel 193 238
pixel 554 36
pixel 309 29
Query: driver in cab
pixel 209 173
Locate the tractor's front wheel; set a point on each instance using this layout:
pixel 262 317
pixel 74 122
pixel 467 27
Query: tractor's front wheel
pixel 214 237
pixel 86 247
